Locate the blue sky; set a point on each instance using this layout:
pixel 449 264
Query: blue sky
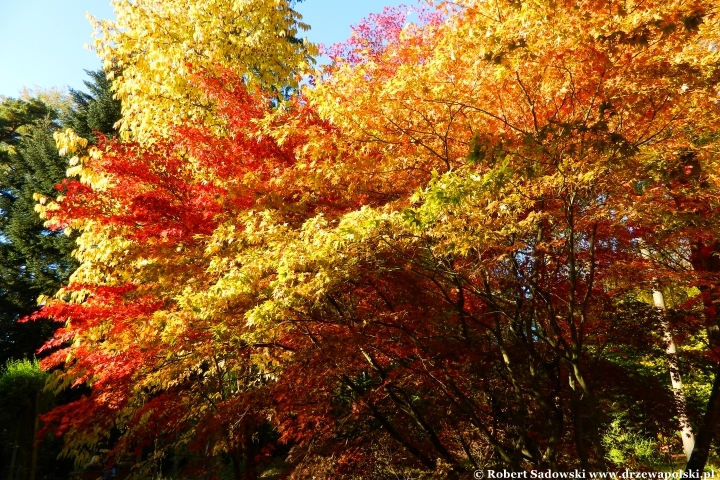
pixel 41 41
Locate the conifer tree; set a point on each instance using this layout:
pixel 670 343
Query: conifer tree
pixel 26 162
pixel 96 111
pixel 35 261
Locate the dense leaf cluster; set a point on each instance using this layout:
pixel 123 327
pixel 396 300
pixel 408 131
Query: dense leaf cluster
pixel 445 256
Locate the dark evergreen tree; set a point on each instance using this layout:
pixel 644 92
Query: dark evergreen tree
pixel 28 161
pixel 96 111
pixel 33 260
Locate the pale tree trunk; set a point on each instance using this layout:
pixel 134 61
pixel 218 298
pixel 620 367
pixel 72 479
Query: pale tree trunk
pixel 688 438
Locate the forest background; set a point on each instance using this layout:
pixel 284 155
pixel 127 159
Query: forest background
pixel 483 236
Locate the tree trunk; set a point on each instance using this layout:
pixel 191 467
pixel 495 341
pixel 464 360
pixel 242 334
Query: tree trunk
pixel 708 427
pixel 243 457
pixel 176 463
pixel 688 438
pixel 587 398
pixel 249 454
pixel 237 461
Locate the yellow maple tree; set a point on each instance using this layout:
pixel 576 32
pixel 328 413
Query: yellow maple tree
pixel 153 44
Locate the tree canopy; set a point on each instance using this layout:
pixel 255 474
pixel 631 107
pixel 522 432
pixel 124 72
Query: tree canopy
pixel 440 257
pixel 156 46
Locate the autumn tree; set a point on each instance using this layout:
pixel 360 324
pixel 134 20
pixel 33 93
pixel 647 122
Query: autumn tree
pixel 536 119
pixel 258 42
pixel 153 46
pixel 438 260
pixel 151 222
